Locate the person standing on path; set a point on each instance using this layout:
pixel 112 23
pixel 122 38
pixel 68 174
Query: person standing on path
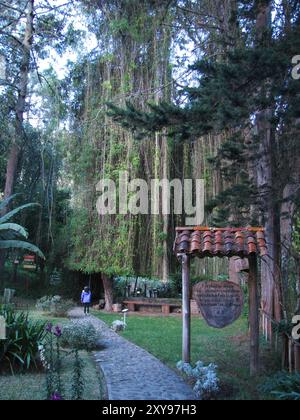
pixel 86 298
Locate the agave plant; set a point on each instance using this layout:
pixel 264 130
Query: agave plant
pixel 12 235
pixel 19 351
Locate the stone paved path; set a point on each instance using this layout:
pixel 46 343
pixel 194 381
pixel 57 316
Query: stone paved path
pixel 131 373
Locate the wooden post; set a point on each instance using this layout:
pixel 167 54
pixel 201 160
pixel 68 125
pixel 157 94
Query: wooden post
pixel 291 356
pixel 285 352
pixel 297 357
pixel 253 316
pixel 186 309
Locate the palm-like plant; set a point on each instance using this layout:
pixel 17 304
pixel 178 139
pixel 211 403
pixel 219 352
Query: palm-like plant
pixel 12 235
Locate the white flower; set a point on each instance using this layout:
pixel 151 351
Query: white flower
pixel 206 377
pixel 185 368
pixel 118 326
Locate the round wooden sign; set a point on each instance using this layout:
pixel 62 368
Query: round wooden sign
pixel 220 302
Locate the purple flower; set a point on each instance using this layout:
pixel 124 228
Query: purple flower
pixel 56 397
pixel 49 327
pixel 57 331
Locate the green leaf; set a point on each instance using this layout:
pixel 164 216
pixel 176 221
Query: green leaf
pixel 12 213
pixel 28 360
pixel 16 356
pixel 22 245
pixel 15 228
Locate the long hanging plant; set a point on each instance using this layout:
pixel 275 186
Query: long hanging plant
pixel 134 63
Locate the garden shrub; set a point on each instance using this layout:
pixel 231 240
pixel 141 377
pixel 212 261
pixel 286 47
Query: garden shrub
pixel 282 386
pixel 52 361
pixel 20 350
pixel 164 290
pixel 80 336
pixel 118 326
pixel 78 379
pixel 206 382
pixel 55 305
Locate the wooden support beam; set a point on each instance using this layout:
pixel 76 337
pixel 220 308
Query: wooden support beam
pixel 253 315
pixel 186 309
pixel 297 357
pixel 291 356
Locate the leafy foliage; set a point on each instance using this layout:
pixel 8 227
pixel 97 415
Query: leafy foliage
pixel 217 103
pixel 11 232
pixel 100 150
pixel 53 361
pixel 55 305
pixel 205 377
pixel 20 349
pixel 80 336
pixel 283 386
pixel 78 380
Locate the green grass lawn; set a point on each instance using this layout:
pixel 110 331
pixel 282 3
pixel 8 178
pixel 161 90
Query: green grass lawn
pixel 228 348
pixel 32 386
pixel 45 317
pixel 161 336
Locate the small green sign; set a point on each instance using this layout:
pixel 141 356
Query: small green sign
pixel 55 278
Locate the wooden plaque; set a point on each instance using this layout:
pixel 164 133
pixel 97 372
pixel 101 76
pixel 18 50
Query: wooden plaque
pixel 220 302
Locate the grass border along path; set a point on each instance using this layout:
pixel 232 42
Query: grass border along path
pixel 228 348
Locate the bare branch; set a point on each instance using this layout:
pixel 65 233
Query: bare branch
pixel 6 83
pixel 21 13
pixel 9 24
pixel 199 14
pixel 17 40
pixel 52 8
pixel 37 68
pixel 8 6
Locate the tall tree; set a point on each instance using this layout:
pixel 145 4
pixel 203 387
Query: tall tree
pixel 132 60
pixel 27 29
pixel 265 173
pixel 254 158
pixel 25 46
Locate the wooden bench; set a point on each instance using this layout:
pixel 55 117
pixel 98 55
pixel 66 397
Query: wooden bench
pixel 165 307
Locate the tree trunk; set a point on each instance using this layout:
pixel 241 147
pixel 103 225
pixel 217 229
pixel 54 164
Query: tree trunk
pixel 253 316
pixel 298 294
pixel 297 309
pixel 286 230
pixel 271 299
pixel 270 265
pixel 108 292
pixel 11 168
pixel 165 271
pixel 14 153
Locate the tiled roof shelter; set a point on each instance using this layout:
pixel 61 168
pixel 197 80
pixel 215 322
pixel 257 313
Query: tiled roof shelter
pixel 204 242
pixel 220 242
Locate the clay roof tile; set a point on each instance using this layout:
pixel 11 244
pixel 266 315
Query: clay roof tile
pixel 226 242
